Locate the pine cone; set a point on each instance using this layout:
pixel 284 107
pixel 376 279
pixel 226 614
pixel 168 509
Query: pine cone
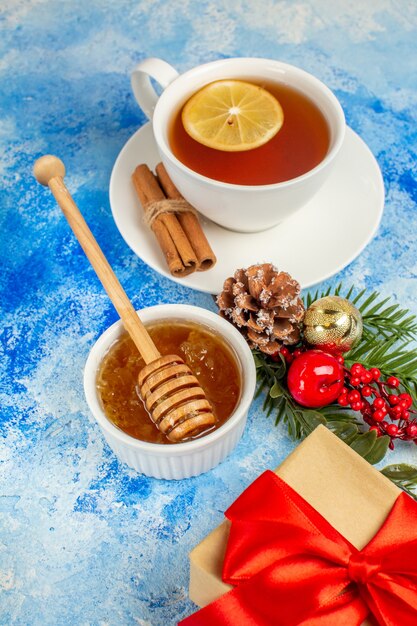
pixel 264 304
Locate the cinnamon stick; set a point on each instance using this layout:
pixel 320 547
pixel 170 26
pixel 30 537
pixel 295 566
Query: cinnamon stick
pixel 179 254
pixel 189 222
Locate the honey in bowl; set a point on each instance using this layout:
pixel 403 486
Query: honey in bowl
pixel 209 357
pixel 300 145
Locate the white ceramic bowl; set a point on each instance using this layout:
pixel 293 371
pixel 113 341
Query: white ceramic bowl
pixel 190 458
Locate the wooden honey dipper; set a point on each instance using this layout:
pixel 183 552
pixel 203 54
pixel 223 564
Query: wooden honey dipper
pixel 172 395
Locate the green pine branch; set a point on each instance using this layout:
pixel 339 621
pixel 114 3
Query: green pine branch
pixel 300 421
pixel 404 476
pixel 388 343
pixel 391 356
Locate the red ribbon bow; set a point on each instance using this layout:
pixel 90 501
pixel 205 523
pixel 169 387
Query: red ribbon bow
pixel 292 568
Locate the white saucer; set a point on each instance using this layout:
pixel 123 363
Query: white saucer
pixel 315 243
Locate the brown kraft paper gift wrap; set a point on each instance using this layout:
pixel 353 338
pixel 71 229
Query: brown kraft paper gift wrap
pixel 344 488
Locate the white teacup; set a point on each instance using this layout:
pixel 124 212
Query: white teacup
pixel 244 208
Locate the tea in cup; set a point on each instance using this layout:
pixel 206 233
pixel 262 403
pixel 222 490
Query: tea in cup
pixel 252 189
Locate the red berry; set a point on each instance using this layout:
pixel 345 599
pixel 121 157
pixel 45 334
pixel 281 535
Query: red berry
pixel 284 351
pixel 315 379
pixel 378 403
pixel 356 369
pixel 396 410
pixel 393 399
pixel 405 415
pixel 384 425
pixel 366 377
pixel 392 430
pixel 411 430
pixel 355 381
pixel 344 391
pixel 405 397
pixel 378 430
pixel 392 381
pixel 356 406
pixel 354 396
pixel 342 400
pixel 367 391
pixel 378 415
pixel 391 445
pixel 297 353
pixel 340 359
pixel 375 373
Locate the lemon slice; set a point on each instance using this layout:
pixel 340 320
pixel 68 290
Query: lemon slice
pixel 232 115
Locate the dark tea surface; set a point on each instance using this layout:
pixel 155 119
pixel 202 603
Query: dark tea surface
pixel 300 145
pixel 207 355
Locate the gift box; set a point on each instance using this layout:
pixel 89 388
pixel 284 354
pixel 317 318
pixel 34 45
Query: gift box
pixel 351 495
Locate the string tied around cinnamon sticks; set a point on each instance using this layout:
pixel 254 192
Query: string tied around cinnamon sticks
pixel 178 233
pixel 152 210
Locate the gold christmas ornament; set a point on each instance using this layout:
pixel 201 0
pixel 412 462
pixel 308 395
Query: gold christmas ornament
pixel 333 323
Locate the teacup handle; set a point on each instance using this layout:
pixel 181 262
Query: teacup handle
pixel 145 94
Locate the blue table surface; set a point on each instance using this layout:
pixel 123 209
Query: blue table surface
pixel 84 539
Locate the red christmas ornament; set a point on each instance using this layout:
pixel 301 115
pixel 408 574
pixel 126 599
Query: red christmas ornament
pixel 315 378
